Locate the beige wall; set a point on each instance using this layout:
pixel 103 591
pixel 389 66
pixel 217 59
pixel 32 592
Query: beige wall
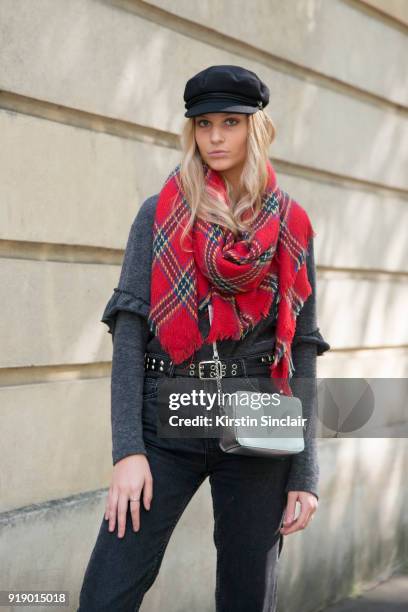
pixel 395 10
pixel 90 109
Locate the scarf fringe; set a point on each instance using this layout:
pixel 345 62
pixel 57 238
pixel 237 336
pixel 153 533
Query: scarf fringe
pixel 282 368
pixel 229 331
pixel 179 347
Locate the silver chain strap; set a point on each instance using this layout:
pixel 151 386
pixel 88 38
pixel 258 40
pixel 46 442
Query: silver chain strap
pixel 216 357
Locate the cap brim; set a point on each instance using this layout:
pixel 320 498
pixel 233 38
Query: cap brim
pixel 218 106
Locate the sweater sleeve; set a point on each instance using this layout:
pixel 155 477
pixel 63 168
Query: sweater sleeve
pixel 129 342
pixel 307 344
pixel 125 314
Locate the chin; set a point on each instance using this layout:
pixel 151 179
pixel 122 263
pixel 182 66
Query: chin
pixel 221 163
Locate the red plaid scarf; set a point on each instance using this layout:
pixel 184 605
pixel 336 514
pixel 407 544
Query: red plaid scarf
pixel 240 277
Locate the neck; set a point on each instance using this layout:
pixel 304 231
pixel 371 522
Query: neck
pixel 233 176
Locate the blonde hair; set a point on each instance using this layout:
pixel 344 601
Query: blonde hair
pixel 208 205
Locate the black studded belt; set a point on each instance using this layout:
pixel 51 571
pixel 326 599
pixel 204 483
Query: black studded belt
pixel 206 369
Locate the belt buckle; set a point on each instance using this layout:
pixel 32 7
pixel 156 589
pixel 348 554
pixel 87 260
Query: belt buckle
pixel 218 365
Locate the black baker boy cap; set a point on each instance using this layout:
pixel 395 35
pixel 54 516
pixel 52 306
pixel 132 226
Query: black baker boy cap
pixel 225 88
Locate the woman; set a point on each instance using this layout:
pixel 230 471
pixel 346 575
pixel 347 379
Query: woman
pixel 249 247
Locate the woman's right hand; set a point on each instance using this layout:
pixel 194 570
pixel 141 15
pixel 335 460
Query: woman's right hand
pixel 131 475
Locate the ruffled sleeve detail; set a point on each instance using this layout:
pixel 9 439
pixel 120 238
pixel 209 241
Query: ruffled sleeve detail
pixel 314 337
pixel 133 291
pixel 122 300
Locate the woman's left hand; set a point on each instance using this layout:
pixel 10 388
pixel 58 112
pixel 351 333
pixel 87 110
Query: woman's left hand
pixel 308 506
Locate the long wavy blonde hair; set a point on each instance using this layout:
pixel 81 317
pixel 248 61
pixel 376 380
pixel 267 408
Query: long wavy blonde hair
pixel 210 206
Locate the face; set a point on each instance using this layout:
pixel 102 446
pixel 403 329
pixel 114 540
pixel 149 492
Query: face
pixel 226 132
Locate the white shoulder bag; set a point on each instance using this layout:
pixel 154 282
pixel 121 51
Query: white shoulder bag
pixel 239 436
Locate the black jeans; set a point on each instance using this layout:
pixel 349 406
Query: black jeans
pixel 248 495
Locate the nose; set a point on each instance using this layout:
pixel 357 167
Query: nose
pixel 216 135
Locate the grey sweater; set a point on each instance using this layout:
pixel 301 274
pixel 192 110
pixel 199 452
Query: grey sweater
pixel 126 316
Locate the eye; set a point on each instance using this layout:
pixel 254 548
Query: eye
pixel 205 122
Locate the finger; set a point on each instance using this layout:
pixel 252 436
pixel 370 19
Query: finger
pixel 106 513
pixel 300 523
pixel 307 519
pixel 134 505
pixel 113 502
pixel 297 525
pixel 122 511
pixel 135 513
pixel 148 492
pixel 107 505
pixel 289 515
